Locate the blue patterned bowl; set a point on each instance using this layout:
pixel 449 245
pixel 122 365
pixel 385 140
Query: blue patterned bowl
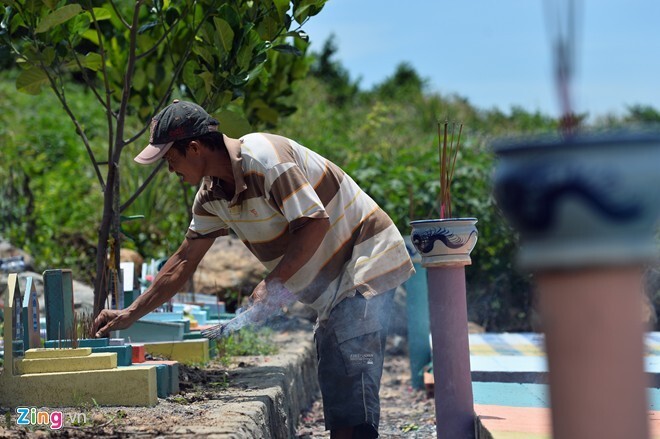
pixel 589 200
pixel 444 241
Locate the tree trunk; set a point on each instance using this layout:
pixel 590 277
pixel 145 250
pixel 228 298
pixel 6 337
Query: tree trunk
pixel 100 281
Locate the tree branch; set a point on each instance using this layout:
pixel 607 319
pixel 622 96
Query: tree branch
pixel 79 129
pixel 142 187
pixel 121 17
pixel 165 35
pixel 106 84
pixel 84 73
pixel 175 75
pixel 128 78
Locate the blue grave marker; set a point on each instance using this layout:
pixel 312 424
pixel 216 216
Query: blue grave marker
pixel 58 292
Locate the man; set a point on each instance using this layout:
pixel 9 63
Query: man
pixel 324 241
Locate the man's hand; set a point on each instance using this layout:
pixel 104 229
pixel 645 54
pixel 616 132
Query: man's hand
pixel 111 320
pixel 259 294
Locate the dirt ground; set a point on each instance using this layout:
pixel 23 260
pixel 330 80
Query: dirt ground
pixel 405 412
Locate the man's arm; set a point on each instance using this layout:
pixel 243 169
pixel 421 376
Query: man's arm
pixel 302 246
pixel 171 277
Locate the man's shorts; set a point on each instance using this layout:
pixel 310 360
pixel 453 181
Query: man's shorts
pixel 350 347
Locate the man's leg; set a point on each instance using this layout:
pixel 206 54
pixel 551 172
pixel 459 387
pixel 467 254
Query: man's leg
pixel 350 348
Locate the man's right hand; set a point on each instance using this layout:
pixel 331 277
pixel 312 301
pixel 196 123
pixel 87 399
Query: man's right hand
pixel 111 320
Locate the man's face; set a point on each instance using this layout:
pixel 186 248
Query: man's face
pixel 183 166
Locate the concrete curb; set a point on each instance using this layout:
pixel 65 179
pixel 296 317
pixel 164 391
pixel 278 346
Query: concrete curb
pixel 275 393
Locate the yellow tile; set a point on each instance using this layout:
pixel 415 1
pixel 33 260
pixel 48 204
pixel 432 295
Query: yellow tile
pixel 106 360
pixel 186 351
pixel 56 353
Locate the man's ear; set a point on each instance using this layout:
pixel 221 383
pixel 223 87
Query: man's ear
pixel 194 147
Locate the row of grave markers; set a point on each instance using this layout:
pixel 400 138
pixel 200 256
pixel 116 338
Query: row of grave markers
pixel 59 308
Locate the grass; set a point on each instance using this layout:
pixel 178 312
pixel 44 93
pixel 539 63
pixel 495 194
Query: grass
pixel 247 341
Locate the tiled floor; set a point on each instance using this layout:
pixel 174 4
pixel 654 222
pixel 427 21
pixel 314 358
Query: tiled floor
pixel 517 407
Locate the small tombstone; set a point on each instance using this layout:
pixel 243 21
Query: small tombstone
pixel 13 334
pixel 58 291
pixel 30 316
pixel 128 271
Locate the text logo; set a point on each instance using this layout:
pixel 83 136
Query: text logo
pixel 53 420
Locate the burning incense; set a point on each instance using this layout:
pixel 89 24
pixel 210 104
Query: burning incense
pixel 278 297
pixel 448 150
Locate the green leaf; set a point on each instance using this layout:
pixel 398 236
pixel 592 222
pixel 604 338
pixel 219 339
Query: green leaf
pixel 286 48
pixel 257 60
pixel 268 114
pixel 269 28
pixel 239 79
pixel 50 4
pixel 4 25
pixel 48 55
pixel 307 8
pixel 190 77
pixel 80 25
pixel 31 80
pixel 92 36
pixel 208 79
pixel 92 61
pixel 59 16
pixel 139 79
pixel 101 14
pixel 146 27
pixel 282 6
pixel 171 15
pixel 298 34
pixel 232 123
pixel 225 33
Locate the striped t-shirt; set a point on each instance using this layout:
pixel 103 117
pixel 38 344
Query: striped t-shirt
pixel 279 186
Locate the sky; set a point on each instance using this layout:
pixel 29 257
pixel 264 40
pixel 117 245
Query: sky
pixel 497 53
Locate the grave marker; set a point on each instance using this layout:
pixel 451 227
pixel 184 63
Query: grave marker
pixel 30 316
pixel 58 291
pixel 78 375
pixel 13 337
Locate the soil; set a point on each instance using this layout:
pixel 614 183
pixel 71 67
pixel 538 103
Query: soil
pixel 405 412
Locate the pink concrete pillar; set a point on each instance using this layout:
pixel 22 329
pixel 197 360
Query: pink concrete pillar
pixel 454 409
pixel 445 246
pixel 586 208
pixel 592 321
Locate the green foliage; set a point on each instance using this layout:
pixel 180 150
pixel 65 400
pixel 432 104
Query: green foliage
pixel 643 114
pixel 386 139
pixel 49 205
pixel 235 58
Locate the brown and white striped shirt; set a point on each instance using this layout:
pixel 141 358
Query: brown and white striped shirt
pixel 279 186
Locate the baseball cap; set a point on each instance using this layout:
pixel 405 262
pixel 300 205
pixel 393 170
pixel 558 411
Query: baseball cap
pixel 179 120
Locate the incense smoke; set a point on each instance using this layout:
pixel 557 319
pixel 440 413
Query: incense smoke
pixel 278 297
